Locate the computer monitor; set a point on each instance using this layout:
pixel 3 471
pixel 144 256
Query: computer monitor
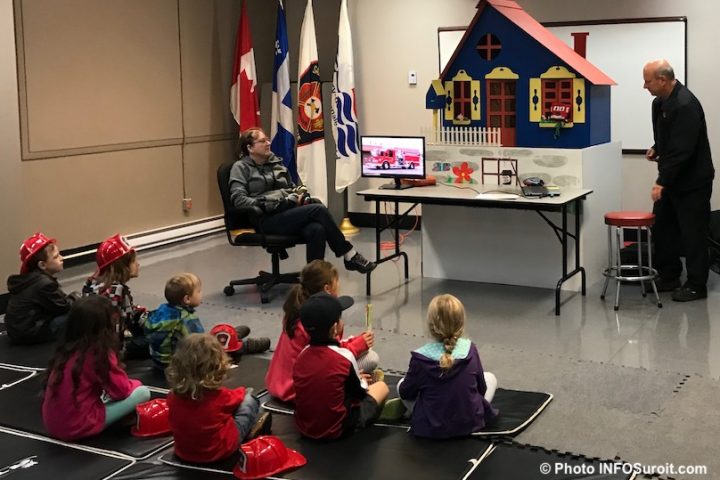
pixel 393 157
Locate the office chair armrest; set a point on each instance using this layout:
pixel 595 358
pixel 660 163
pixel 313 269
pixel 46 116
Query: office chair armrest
pixel 249 217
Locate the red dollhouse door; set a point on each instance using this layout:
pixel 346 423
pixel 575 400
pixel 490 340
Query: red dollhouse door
pixel 501 109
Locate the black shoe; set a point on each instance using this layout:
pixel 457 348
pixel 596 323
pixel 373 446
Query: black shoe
pixel 360 264
pixel 256 345
pixel 667 284
pixel 688 294
pixel 263 426
pixel 242 331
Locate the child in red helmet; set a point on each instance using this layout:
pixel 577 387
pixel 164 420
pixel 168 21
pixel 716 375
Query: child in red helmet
pixel 176 319
pixel 116 265
pixel 87 389
pixel 208 420
pixel 37 308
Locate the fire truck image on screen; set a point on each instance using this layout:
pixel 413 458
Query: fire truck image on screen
pixel 385 154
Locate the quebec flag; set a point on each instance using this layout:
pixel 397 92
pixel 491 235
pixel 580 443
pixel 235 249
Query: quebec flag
pixel 344 116
pixel 281 124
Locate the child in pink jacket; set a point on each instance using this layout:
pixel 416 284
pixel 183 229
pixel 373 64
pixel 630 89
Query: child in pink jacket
pixel 82 402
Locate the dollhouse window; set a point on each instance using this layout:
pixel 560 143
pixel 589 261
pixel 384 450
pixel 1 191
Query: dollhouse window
pixel 489 46
pixel 462 100
pixel 557 91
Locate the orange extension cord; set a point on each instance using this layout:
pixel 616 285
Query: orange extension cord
pixel 390 244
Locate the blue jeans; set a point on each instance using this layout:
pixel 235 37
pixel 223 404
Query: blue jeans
pixel 57 324
pixel 247 414
pixel 314 224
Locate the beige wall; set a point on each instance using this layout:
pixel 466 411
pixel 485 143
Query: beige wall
pixel 113 136
pixel 10 197
pixel 109 90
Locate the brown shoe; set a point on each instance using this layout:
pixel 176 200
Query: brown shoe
pixel 262 426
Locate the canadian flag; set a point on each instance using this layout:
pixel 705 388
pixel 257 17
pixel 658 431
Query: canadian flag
pixel 243 94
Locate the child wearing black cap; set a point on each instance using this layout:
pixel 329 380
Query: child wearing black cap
pixel 332 397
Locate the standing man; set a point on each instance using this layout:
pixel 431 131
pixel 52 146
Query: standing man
pixel 684 184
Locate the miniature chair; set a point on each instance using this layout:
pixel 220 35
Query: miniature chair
pixel 642 221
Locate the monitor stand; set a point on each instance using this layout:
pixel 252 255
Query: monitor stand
pixel 395 186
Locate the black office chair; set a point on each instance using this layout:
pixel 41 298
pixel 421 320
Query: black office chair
pixel 244 220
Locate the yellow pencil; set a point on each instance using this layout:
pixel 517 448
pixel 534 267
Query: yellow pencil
pixel 368 317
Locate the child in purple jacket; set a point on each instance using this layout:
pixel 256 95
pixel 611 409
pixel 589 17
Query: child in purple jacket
pixel 445 386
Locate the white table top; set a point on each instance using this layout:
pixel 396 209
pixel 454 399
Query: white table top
pixel 468 195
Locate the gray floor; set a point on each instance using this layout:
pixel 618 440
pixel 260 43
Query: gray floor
pixel 640 384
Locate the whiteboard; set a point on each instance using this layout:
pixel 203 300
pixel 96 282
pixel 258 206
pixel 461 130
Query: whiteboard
pixel 620 50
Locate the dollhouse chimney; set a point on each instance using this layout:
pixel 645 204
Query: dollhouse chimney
pixel 580 39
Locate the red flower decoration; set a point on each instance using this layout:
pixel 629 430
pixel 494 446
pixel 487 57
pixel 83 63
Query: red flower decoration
pixel 463 173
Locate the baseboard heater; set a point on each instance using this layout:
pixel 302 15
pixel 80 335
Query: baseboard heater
pixel 153 238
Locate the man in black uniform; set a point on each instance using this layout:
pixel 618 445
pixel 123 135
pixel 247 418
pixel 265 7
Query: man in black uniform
pixel 684 184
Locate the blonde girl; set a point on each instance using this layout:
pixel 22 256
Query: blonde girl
pixel 445 386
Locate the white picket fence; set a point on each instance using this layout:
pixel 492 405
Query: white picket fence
pixel 479 136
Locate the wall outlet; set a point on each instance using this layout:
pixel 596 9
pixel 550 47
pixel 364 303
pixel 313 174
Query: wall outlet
pixel 187 204
pixel 412 77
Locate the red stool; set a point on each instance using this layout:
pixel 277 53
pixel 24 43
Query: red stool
pixel 642 221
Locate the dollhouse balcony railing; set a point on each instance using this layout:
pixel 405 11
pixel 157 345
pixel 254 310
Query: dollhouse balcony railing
pixel 478 136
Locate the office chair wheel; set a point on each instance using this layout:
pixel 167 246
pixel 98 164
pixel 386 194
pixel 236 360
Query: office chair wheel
pixel 229 290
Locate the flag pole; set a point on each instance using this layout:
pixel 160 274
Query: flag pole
pixel 346 226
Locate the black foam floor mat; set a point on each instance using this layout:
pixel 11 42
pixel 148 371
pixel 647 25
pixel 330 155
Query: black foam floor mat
pixel 249 372
pixel 21 406
pixel 25 458
pixel 9 376
pixel 376 452
pixel 518 409
pixel 33 356
pixel 142 470
pixel 522 462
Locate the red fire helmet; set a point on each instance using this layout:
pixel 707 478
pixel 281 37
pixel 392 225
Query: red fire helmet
pixel 153 418
pixel 265 456
pixel 110 250
pixel 227 336
pixel 30 247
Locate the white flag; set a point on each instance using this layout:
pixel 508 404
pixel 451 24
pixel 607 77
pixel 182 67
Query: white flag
pixel 312 166
pixel 344 116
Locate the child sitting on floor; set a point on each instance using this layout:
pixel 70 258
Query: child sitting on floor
pixel 445 386
pixel 332 397
pixel 209 421
pixel 174 320
pixel 85 368
pixel 37 308
pixel 116 265
pixel 317 276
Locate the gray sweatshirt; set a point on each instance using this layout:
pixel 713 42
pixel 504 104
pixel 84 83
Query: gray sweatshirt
pixel 252 184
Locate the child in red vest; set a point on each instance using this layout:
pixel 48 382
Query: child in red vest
pixel 317 276
pixel 332 397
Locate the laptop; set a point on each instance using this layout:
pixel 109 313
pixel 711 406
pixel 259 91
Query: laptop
pixel 534 191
